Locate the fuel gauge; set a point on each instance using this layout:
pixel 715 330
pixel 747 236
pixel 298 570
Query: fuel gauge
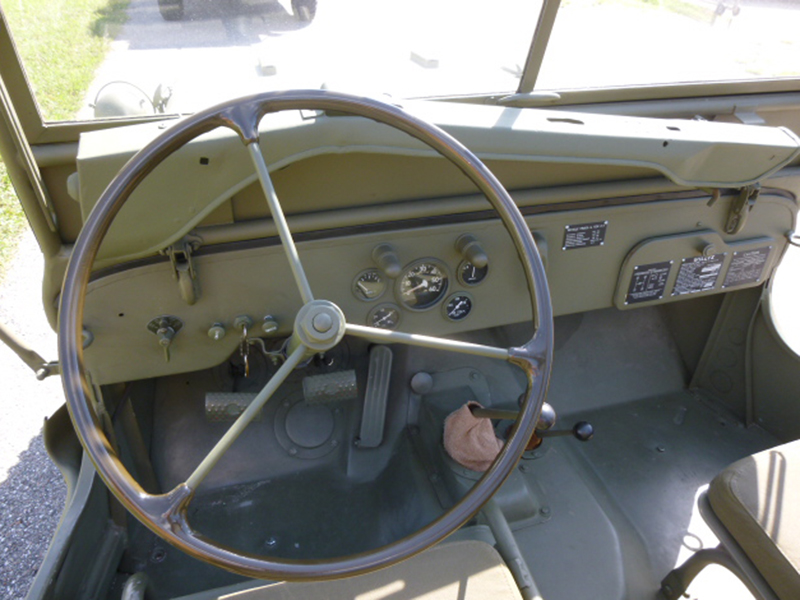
pixel 458 306
pixel 384 316
pixel 469 274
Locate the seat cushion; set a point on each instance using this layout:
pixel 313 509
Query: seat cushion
pixel 467 570
pixel 757 499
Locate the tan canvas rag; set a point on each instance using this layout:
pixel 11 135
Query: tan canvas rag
pixel 470 441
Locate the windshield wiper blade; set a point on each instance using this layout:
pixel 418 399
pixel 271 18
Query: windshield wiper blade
pixel 529 99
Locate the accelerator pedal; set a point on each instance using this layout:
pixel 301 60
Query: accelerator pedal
pixel 374 416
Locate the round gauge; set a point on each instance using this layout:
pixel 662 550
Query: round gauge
pixel 369 285
pixel 384 316
pixel 458 306
pixel 422 284
pixel 469 274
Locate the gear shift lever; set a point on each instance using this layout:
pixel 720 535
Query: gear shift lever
pixel 582 430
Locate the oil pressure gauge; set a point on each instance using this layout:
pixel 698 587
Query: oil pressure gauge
pixel 458 306
pixel 384 316
pixel 369 285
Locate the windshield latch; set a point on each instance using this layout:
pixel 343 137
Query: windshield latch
pixel 741 207
pixel 183 267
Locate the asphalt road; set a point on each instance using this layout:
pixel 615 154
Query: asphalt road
pixel 32 491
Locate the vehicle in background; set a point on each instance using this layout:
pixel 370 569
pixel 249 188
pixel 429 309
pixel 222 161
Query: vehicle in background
pixel 173 10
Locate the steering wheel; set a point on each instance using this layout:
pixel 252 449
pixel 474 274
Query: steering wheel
pixel 319 326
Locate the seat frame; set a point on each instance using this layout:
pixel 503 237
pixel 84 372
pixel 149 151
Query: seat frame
pixel 728 554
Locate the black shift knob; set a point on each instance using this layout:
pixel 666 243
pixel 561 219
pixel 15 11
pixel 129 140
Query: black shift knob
pixel 583 430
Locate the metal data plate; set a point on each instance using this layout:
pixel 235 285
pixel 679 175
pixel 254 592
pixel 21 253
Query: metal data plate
pixel 648 282
pixel 585 235
pixel 669 268
pixel 698 274
pixel 747 267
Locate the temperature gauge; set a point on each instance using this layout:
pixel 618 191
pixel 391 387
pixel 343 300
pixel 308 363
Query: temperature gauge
pixel 458 306
pixel 384 316
pixel 369 285
pixel 469 274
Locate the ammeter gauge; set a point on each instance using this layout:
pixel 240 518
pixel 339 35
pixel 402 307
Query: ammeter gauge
pixel 384 316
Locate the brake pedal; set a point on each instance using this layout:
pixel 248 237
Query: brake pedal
pixel 331 387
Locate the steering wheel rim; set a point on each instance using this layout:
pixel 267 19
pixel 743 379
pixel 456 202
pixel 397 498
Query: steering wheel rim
pixel 165 514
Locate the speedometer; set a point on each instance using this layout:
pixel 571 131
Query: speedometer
pixel 422 284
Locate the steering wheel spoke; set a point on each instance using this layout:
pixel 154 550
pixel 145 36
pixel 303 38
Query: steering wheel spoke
pixel 238 426
pixel 280 221
pixel 385 336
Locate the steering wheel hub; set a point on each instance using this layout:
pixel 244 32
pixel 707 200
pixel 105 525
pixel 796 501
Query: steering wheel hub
pixel 319 326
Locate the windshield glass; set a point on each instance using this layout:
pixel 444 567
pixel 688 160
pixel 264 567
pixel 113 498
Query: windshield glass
pixel 603 43
pixel 107 58
pixel 204 51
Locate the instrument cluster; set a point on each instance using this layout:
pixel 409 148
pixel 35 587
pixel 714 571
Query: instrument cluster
pixel 421 285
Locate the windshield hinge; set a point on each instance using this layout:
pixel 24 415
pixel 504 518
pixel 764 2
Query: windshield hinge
pixel 740 208
pixel 30 357
pixel 184 271
pixel 748 117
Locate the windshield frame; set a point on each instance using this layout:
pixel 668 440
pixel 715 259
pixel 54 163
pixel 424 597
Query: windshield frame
pixel 608 99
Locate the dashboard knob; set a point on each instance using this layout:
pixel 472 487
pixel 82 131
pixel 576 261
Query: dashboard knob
pixel 386 259
pixel 270 325
pixel 217 331
pixel 470 248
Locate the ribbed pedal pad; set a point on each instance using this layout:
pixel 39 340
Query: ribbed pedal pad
pixel 331 387
pixel 227 406
pixel 374 415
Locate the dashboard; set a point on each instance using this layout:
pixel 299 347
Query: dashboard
pixel 440 276
pixel 397 237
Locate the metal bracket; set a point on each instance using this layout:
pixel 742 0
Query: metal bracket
pixel 740 208
pixel 794 238
pixel 180 255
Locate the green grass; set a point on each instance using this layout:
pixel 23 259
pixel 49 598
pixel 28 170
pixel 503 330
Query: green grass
pixel 62 42
pixel 12 220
